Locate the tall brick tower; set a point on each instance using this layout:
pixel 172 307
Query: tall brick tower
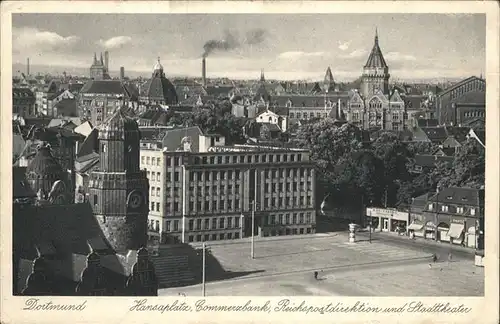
pixel 119 189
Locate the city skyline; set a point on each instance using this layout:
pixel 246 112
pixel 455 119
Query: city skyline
pixel 245 44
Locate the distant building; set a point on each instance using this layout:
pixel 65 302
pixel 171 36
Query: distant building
pixel 99 68
pixel 23 102
pixel 158 90
pixel 206 194
pixel 99 99
pixel 462 102
pixel 452 215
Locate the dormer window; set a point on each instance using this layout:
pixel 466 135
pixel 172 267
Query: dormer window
pixel 444 208
pixel 449 197
pixel 473 211
pixel 431 206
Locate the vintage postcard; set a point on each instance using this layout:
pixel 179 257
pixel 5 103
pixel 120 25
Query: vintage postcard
pixel 240 162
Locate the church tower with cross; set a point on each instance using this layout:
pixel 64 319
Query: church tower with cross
pixel 375 75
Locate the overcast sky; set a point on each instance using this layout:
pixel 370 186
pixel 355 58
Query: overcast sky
pixel 285 46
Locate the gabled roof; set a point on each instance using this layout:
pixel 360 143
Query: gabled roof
pixel 271 127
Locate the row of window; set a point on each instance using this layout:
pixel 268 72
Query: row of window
pixel 213 237
pixel 454 209
pixel 148 160
pixel 475 114
pixel 470 86
pixel 288 231
pixel 257 158
pixel 310 115
pixel 288 219
pixel 288 187
pixel 201 224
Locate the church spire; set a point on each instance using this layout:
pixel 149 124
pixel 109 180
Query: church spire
pixel 95 58
pixel 262 78
pixel 376 35
pixel 102 62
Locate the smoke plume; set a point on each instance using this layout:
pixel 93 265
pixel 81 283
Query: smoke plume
pixel 231 41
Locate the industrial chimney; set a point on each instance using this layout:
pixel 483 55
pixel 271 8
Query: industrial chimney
pixel 204 71
pixel 27 66
pixel 106 61
pixel 122 73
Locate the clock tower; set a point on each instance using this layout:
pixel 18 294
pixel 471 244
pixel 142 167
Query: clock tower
pixel 118 189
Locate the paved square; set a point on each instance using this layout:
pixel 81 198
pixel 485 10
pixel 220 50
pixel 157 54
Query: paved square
pixel 303 254
pixel 459 278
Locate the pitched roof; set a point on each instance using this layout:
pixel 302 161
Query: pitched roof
pixel 271 127
pixel 173 137
pixel 460 133
pixel 435 134
pixel 22 93
pixel 430 161
pixel 217 91
pixel 67 108
pixel 427 122
pixel 115 87
pixel 63 233
pixel 460 196
pixel 376 59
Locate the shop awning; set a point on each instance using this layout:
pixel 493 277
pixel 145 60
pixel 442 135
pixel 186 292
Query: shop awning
pixel 415 226
pixel 455 230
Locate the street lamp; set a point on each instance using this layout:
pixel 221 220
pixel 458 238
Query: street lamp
pixel 253 231
pixel 204 265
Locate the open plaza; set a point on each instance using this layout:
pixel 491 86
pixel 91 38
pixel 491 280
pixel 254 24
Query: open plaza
pixel 285 267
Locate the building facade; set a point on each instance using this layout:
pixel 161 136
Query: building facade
pixel 208 195
pixel 99 99
pixel 461 102
pixel 23 102
pixel 452 215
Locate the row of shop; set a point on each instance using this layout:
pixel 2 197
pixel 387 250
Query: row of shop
pixel 454 230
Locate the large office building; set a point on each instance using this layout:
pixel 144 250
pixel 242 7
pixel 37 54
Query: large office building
pixel 209 194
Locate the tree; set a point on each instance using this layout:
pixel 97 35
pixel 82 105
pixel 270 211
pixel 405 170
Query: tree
pixel 394 155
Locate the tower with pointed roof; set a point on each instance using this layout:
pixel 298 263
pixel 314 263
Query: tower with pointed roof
pixel 375 72
pixel 329 82
pixel 118 189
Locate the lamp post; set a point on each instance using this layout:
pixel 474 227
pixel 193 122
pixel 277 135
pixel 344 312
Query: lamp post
pixel 203 270
pixel 253 231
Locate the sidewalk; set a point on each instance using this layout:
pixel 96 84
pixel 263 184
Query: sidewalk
pixel 422 241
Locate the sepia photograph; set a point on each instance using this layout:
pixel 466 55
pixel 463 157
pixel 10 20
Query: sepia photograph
pixel 248 154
